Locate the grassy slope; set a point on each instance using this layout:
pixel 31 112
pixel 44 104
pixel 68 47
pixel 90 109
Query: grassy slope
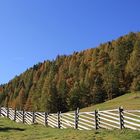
pixel 10 130
pixel 127 101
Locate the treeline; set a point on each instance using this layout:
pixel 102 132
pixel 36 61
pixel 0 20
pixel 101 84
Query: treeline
pixel 78 80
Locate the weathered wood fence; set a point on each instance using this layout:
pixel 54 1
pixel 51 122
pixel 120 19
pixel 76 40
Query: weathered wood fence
pixel 108 119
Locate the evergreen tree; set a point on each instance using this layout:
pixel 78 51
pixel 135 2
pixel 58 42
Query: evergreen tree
pixel 111 83
pixel 62 96
pixel 98 94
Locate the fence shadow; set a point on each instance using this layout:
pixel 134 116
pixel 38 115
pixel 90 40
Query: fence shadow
pixel 5 129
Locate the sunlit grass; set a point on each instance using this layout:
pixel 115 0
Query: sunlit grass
pixel 127 101
pixel 10 130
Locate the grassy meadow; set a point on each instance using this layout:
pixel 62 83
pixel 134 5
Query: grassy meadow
pixel 127 101
pixel 9 130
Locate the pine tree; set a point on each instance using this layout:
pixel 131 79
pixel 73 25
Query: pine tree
pixel 111 81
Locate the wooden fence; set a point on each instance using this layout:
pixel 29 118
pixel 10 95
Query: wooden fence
pixel 107 119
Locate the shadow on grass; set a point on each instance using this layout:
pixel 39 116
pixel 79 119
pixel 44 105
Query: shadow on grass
pixel 5 129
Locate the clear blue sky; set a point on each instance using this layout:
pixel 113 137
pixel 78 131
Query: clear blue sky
pixel 32 31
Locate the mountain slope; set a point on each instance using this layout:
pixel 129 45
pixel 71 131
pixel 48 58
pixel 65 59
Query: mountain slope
pixel 78 80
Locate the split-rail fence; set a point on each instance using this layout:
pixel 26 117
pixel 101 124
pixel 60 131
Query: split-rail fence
pixel 106 119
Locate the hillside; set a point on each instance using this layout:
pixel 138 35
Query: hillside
pixel 128 101
pixel 78 80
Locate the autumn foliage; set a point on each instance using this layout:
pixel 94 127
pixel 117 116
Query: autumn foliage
pixel 78 80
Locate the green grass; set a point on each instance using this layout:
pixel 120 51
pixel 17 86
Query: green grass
pixel 10 130
pixel 127 101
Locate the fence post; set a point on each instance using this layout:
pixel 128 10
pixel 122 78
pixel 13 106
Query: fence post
pixel 96 119
pixel 76 118
pixel 46 118
pixel 0 111
pixel 59 122
pixel 33 120
pixel 7 112
pixel 15 114
pixel 121 118
pixel 23 118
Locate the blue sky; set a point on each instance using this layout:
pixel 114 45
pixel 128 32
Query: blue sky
pixel 32 31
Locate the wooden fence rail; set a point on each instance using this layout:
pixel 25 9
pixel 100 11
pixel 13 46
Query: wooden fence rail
pixel 107 119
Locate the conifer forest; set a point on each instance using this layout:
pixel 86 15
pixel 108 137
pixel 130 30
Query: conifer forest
pixel 78 80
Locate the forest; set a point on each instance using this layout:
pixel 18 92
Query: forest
pixel 78 80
